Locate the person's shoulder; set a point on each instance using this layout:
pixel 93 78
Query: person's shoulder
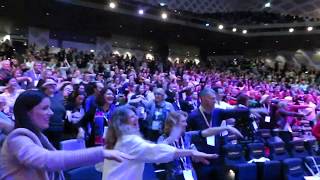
pixel 194 113
pixel 22 133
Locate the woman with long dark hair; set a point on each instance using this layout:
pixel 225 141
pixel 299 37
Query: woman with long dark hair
pixel 27 153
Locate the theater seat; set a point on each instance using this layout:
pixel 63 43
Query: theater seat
pixel 234 160
pixel 72 144
pixel 311 147
pixel 149 172
pixel 309 163
pixel 264 135
pixel 256 151
pixel 278 151
pixel 292 169
pixel 83 173
pixel 297 149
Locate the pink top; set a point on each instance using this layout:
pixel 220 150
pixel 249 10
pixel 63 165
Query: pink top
pixel 25 156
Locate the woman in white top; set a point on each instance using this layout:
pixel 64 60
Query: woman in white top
pixel 123 134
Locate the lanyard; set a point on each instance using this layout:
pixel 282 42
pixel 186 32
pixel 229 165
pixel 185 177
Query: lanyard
pixel 182 159
pixel 204 117
pixel 37 76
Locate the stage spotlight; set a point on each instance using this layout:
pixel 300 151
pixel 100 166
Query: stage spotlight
pixel 220 26
pixel 244 31
pixel 234 29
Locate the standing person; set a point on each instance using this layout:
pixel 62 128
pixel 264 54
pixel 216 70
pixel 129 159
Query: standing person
pixel 11 93
pixel 55 130
pixel 123 134
pixel 34 74
pixel 94 121
pixel 175 135
pixel 207 116
pixel 27 153
pixel 157 112
pixel 74 114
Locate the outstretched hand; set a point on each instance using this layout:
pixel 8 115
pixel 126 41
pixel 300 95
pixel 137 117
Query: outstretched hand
pixel 198 156
pixel 116 155
pixel 235 131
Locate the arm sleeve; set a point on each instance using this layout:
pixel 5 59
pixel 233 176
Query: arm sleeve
pixel 32 155
pixel 148 152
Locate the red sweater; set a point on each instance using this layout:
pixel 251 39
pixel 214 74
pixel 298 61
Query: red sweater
pixel 316 131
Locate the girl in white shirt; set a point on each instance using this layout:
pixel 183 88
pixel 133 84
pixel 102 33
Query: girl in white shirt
pixel 123 135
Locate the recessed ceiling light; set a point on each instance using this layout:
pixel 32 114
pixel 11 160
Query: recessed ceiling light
pixel 234 29
pixel 141 12
pixel 291 30
pixel 310 28
pixel 207 24
pixel 164 15
pixel 112 5
pixel 244 31
pixel 220 27
pixel 267 5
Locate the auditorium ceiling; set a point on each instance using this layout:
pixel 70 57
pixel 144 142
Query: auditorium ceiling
pixel 305 8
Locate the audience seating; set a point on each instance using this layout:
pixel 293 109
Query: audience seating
pixel 278 151
pixel 256 151
pixel 149 172
pixel 72 144
pixel 83 173
pixel 292 169
pixel 310 163
pixel 235 160
pixel 264 135
pixel 311 146
pixel 297 149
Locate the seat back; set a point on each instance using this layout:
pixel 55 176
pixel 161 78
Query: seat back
pixel 86 172
pixel 264 133
pixel 230 138
pixel 311 146
pixel 310 163
pixel 233 154
pixel 278 151
pixel 292 169
pixel 297 149
pixel 72 144
pixel 256 150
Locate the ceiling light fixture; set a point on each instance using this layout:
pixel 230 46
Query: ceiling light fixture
pixel 112 5
pixel 141 12
pixel 164 16
pixel 267 5
pixel 291 30
pixel 310 28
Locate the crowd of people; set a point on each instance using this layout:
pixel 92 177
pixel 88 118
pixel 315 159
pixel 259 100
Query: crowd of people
pixel 118 102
